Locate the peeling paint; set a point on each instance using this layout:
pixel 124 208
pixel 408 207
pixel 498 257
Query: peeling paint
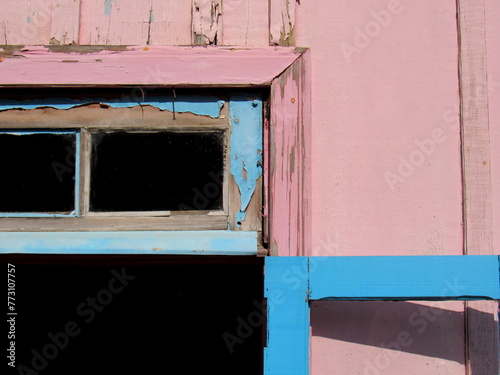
pixel 246 146
pixel 108 4
pixel 198 105
pixel 283 22
pixel 207 22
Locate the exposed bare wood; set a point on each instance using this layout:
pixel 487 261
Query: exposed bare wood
pixel 289 144
pixel 253 220
pixel 85 149
pixel 129 214
pixel 65 22
pixel 282 22
pixel 482 317
pixel 207 22
pixel 95 116
pixel 179 222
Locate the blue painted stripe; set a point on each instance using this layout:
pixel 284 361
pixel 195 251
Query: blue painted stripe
pixel 171 242
pixel 405 277
pixel 291 282
pixel 286 286
pixel 246 146
pixel 199 105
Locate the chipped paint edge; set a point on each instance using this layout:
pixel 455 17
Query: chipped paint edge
pixel 246 146
pixel 203 106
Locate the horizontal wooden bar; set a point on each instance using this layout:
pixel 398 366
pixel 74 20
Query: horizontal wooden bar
pixel 404 278
pixel 172 242
pixel 84 224
pixel 146 66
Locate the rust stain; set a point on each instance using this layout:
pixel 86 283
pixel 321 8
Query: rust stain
pixel 484 163
pixel 292 100
pixel 156 249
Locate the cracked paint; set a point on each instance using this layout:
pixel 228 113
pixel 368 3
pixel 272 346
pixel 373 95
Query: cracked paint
pixel 246 146
pixel 198 105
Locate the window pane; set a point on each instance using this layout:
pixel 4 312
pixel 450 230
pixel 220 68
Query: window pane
pixel 38 172
pixel 156 171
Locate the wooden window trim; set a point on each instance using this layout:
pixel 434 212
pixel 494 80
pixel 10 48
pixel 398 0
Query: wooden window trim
pixel 85 120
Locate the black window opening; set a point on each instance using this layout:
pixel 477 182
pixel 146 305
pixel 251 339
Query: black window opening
pixel 156 171
pixel 39 172
pixel 158 315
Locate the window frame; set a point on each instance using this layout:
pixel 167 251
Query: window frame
pixel 77 187
pixel 237 109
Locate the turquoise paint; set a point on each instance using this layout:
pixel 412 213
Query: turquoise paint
pixel 246 146
pixel 291 282
pixel 108 4
pixel 287 349
pixel 198 105
pixel 137 242
pixel 406 277
pixel 76 212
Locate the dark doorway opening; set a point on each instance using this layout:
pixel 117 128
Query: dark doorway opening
pixel 137 315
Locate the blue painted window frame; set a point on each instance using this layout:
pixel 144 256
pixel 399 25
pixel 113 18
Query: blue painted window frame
pixel 245 154
pixel 291 283
pixel 76 211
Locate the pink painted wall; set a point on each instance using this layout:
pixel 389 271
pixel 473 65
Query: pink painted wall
pixel 386 164
pixel 374 191
pixel 386 171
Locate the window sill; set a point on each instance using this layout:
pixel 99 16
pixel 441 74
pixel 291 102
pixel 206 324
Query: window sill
pixel 214 242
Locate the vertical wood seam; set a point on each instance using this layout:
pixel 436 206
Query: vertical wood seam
pixel 480 319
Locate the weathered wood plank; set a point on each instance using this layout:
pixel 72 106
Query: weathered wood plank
pixel 93 116
pixel 207 22
pixel 84 224
pixel 115 22
pixel 282 22
pixel 482 334
pixel 170 22
pixel 246 23
pixel 289 201
pixel 65 22
pixel 155 65
pixel 25 22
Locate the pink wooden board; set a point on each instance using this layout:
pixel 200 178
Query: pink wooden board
pixel 245 22
pixel 200 66
pixel 369 116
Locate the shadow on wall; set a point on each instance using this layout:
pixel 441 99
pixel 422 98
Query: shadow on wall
pixel 432 329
